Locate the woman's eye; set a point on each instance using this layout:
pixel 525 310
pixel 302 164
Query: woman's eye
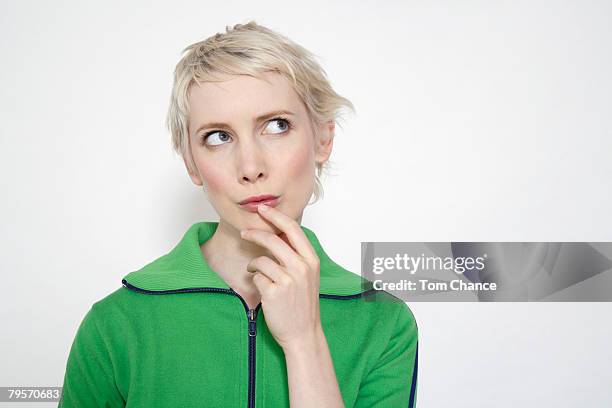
pixel 212 137
pixel 219 137
pixel 284 125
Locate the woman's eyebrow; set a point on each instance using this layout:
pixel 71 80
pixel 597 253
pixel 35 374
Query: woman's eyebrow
pixel 257 119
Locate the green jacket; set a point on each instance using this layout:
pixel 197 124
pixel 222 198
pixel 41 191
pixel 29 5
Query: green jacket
pixel 176 335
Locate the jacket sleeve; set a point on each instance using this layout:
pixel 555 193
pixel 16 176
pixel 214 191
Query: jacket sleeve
pixel 89 380
pixel 392 382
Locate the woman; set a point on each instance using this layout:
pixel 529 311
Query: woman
pixel 250 310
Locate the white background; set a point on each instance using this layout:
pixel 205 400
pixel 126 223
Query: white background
pixel 476 121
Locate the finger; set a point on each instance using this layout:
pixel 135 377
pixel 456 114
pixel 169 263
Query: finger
pixel 262 283
pixel 294 233
pixel 270 268
pixel 279 248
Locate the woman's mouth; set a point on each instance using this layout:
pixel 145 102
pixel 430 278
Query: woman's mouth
pixel 251 203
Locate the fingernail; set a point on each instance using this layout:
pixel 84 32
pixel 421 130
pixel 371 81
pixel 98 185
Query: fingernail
pixel 263 207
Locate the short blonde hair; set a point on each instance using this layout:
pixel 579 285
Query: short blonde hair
pixel 252 49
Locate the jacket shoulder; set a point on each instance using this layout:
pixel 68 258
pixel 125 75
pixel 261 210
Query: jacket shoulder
pixel 120 303
pixel 118 296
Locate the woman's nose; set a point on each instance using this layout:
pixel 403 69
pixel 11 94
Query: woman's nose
pixel 251 162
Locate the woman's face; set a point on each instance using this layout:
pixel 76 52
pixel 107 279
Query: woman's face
pixel 243 146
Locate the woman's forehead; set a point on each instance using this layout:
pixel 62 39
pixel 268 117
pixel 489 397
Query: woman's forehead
pixel 242 95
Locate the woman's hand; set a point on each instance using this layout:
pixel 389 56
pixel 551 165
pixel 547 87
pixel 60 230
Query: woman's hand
pixel 289 288
pixel 290 300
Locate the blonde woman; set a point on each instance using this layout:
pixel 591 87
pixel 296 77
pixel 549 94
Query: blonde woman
pixel 247 311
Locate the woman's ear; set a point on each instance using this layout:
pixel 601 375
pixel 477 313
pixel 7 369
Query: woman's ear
pixel 325 142
pixel 193 174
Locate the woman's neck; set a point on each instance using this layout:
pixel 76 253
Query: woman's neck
pixel 228 255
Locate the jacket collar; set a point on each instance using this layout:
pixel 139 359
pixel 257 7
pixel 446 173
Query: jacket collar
pixel 184 267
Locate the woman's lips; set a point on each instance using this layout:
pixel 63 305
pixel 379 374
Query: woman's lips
pixel 252 206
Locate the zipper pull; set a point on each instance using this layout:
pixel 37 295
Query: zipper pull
pixel 252 323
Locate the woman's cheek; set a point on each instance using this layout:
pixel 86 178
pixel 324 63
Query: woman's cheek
pixel 214 180
pixel 299 161
pixel 300 174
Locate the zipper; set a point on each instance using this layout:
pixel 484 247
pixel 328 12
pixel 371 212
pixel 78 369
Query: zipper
pixel 252 315
pixel 251 318
pixel 252 333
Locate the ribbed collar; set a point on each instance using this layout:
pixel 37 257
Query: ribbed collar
pixel 184 267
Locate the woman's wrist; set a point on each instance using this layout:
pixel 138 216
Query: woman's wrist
pixel 311 376
pixel 311 344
